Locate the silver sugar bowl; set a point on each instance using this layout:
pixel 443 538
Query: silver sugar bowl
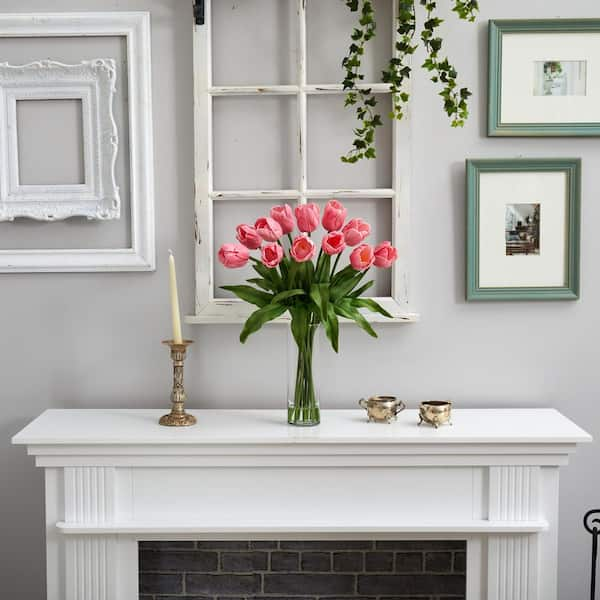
pixel 382 409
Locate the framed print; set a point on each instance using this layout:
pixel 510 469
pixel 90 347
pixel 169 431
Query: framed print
pixel 523 229
pixel 544 78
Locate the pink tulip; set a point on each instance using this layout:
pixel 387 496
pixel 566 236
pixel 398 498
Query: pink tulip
pixel 307 216
pixel 333 243
pixel 385 254
pixel 362 257
pixel 303 249
pixel 233 256
pixel 334 215
pixel 272 254
pixel 355 231
pixel 268 229
pixel 284 216
pixel 247 235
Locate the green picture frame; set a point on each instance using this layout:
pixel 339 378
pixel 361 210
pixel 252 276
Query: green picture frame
pixel 572 169
pixel 497 29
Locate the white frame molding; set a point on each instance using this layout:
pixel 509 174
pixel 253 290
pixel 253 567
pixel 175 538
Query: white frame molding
pixel 135 28
pixel 92 82
pixel 210 309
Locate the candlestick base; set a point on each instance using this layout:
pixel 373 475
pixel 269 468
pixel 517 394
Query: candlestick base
pixel 175 420
pixel 178 417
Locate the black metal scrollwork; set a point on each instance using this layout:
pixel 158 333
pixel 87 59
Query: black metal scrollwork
pixel 591 522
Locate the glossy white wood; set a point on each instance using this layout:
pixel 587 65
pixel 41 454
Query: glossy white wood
pixel 134 27
pixel 114 477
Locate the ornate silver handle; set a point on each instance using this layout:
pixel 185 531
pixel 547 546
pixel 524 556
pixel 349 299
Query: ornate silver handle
pixel 399 407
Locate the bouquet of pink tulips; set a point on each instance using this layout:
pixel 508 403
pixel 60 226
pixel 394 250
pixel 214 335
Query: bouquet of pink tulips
pixel 313 292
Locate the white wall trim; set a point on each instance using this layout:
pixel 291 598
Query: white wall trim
pixel 135 27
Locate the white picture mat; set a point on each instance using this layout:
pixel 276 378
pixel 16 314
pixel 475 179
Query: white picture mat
pixel 519 53
pixel 548 269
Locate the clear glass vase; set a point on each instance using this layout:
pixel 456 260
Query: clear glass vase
pixel 303 396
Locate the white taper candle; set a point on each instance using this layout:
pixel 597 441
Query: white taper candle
pixel 175 315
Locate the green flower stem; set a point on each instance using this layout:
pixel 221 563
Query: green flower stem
pixel 335 264
pixel 305 409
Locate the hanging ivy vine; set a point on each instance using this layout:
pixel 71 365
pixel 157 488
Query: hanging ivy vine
pixel 398 71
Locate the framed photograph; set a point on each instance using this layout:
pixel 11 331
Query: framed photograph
pixel 544 78
pixel 523 229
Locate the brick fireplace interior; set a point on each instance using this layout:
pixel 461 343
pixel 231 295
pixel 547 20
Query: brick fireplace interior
pixel 303 570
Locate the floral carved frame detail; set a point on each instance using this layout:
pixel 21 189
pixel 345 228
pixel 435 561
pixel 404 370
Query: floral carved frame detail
pixel 93 83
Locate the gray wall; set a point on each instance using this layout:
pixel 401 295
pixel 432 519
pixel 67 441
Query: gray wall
pixel 94 340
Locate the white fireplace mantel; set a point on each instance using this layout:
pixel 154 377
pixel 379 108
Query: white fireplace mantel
pixel 115 477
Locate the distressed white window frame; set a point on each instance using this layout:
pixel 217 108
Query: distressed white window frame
pixel 135 28
pixel 93 83
pixel 210 309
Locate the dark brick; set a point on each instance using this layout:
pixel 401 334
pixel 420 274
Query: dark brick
pixel 326 545
pixel 388 585
pixel 264 545
pixel 228 597
pixel 166 545
pixel 223 545
pixel 438 562
pixel 351 562
pixel 179 598
pixel 146 597
pixel 409 562
pixel 379 561
pixel 244 562
pixel 285 561
pixel 354 597
pixel 419 597
pixel 403 597
pixel 315 561
pixel 287 598
pixel 161 583
pixel 460 562
pixel 221 585
pixel 304 583
pixel 430 545
pixel 178 560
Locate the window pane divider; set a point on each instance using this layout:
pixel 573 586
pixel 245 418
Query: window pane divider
pixel 256 195
pixel 296 194
pixel 302 101
pixel 292 90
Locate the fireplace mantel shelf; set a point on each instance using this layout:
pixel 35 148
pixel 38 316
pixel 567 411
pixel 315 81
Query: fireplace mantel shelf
pixel 115 477
pixel 108 427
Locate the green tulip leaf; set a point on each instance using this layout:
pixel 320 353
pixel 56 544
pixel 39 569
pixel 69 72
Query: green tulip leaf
pixel 249 294
pixel 259 317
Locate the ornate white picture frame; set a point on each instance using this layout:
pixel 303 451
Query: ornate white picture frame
pixel 134 27
pixel 92 82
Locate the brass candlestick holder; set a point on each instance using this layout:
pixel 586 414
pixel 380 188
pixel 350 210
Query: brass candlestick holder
pixel 178 417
